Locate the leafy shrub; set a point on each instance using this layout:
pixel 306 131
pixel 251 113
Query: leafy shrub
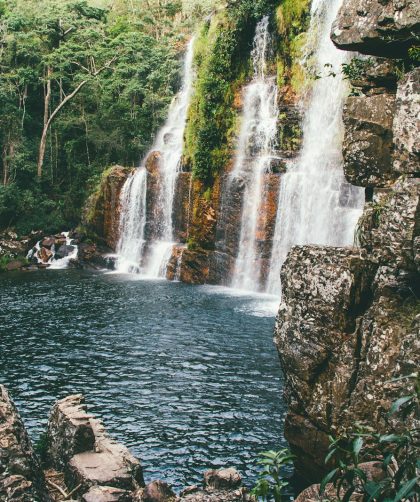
pixel 355 69
pixel 397 451
pixel 272 482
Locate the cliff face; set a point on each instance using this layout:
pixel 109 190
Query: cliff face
pixel 350 317
pixel 102 212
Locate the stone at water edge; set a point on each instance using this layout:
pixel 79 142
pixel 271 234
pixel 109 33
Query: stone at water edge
pixel 223 485
pixel 48 242
pixel 156 491
pixel 21 477
pixel 222 479
pixel 79 445
pixel 15 265
pixel 69 430
pixel 107 494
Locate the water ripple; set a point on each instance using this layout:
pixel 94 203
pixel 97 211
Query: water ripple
pixel 187 377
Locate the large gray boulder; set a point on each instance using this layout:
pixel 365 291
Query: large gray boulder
pixel 21 477
pixel 378 27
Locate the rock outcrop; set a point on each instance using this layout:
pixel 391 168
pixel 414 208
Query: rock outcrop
pixel 21 477
pixel 350 317
pixel 384 28
pixel 79 446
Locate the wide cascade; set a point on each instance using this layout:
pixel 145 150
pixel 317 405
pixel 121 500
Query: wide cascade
pixel 141 250
pixel 316 205
pixel 254 158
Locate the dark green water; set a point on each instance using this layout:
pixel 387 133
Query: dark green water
pixel 187 377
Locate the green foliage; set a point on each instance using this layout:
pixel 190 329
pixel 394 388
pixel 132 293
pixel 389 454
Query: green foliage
pixel 396 450
pixel 414 54
pixel 221 56
pixel 41 449
pixel 111 121
pixel 192 244
pixel 356 68
pixel 292 18
pixel 271 482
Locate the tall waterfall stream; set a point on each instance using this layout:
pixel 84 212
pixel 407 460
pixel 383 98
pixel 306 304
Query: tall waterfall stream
pixel 134 251
pixel 254 156
pixel 316 204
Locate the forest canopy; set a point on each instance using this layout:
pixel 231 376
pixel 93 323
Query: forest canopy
pixel 83 84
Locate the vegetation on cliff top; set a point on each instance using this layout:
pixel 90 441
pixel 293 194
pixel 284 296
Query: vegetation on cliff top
pixel 222 59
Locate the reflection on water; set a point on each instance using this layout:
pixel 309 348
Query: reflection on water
pixel 187 378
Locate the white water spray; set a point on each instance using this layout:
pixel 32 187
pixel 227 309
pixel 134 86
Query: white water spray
pixel 255 152
pixel 135 254
pixel 316 204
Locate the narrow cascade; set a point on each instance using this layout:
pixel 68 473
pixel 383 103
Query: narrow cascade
pixel 137 253
pixel 133 221
pixel 254 157
pixel 317 205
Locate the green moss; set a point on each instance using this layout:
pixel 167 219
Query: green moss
pixel 281 73
pixel 222 63
pixel 291 16
pixel 192 245
pixel 292 19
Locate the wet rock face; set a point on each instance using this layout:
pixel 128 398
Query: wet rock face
pixel 379 27
pixel 344 331
pixel 324 289
pixel 21 477
pixel 367 148
pixel 103 209
pixel 392 225
pixel 406 125
pixel 181 215
pixel 79 445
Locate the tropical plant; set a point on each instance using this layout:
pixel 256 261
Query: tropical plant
pixel 272 480
pixel 397 451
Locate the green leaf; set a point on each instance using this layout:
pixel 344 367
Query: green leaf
pixel 357 446
pixel 398 403
pixel 389 438
pixel 327 480
pixel 373 489
pixel 405 490
pixel 330 455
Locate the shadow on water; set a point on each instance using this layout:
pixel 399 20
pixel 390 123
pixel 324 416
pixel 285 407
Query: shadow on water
pixel 187 377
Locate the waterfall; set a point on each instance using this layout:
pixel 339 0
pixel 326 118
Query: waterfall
pixel 136 254
pixel 254 156
pixel 132 222
pixel 316 205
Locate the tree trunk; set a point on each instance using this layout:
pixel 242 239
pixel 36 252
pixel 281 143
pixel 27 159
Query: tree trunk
pixel 49 120
pixel 47 101
pixel 5 166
